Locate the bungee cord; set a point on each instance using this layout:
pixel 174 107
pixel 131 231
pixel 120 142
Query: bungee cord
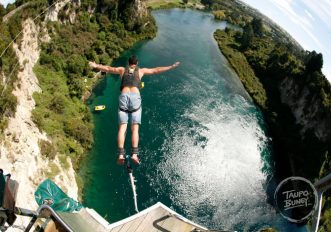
pixel 132 180
pixel 133 186
pixel 129 168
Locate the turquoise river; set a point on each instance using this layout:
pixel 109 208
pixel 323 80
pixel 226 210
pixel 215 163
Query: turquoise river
pixel 203 144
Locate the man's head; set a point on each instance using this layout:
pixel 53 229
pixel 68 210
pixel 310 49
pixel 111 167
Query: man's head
pixel 133 60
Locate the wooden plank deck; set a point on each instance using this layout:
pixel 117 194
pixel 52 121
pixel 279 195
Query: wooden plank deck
pixel 153 219
pixel 156 218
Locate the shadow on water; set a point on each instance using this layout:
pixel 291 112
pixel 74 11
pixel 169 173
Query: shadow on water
pixel 100 88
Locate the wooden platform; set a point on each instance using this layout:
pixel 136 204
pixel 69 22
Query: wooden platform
pixel 155 218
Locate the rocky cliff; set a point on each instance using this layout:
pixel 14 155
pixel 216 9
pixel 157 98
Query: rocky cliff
pixel 293 94
pixel 307 109
pixel 20 154
pixel 134 13
pixel 20 149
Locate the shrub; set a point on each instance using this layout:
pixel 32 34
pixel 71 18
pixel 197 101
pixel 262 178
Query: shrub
pixel 219 14
pixel 8 102
pixel 47 149
pixel 76 85
pixel 76 64
pixel 58 104
pixel 79 131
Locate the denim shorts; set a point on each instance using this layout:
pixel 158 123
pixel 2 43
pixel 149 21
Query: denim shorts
pixel 128 103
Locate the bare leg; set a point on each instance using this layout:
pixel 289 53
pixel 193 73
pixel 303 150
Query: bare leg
pixel 135 141
pixel 135 135
pixel 120 141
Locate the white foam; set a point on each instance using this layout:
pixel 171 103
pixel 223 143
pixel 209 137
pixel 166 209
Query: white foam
pixel 215 166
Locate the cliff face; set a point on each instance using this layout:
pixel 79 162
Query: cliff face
pixel 298 101
pixel 20 154
pixel 306 107
pixel 139 9
pixel 53 12
pixel 134 13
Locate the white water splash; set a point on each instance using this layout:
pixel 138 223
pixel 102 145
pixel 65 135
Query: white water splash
pixel 214 165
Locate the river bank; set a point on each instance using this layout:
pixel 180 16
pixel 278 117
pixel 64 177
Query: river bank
pixel 280 111
pixel 194 119
pixel 61 112
pixel 48 95
pixel 168 4
pixel 280 78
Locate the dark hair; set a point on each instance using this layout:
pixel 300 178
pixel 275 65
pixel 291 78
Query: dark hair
pixel 133 60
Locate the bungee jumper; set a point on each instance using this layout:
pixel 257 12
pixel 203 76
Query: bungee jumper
pixel 129 107
pixel 130 101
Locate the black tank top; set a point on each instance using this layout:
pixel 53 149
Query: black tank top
pixel 131 78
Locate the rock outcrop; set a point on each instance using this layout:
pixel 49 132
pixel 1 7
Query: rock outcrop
pixel 306 109
pixel 134 13
pixel 53 13
pixel 20 154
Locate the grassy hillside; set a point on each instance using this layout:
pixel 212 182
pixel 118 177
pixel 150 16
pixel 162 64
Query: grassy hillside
pixel 63 72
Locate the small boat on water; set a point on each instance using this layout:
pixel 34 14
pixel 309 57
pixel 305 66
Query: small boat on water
pixel 99 108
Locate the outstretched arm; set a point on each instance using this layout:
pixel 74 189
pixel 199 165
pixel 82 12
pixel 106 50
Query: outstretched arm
pixel 157 70
pixel 105 68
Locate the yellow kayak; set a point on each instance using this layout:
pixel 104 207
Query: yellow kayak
pixel 100 107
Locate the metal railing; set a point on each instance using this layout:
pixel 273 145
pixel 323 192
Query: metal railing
pixel 321 186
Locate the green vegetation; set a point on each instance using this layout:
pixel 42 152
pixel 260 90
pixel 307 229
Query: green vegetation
pixel 261 54
pixel 267 66
pixel 8 69
pixel 65 76
pixel 64 118
pixel 9 65
pixel 62 70
pixel 52 170
pixel 47 149
pixel 241 66
pixel 166 4
pixel 273 63
pixel 227 9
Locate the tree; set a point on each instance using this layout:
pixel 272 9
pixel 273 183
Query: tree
pixel 219 14
pixel 314 61
pixel 2 12
pixel 257 26
pixel 76 85
pixel 247 36
pixel 58 104
pixel 79 131
pixel 76 64
pixel 207 2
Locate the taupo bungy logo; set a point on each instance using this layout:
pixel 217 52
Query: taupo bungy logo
pixel 296 199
